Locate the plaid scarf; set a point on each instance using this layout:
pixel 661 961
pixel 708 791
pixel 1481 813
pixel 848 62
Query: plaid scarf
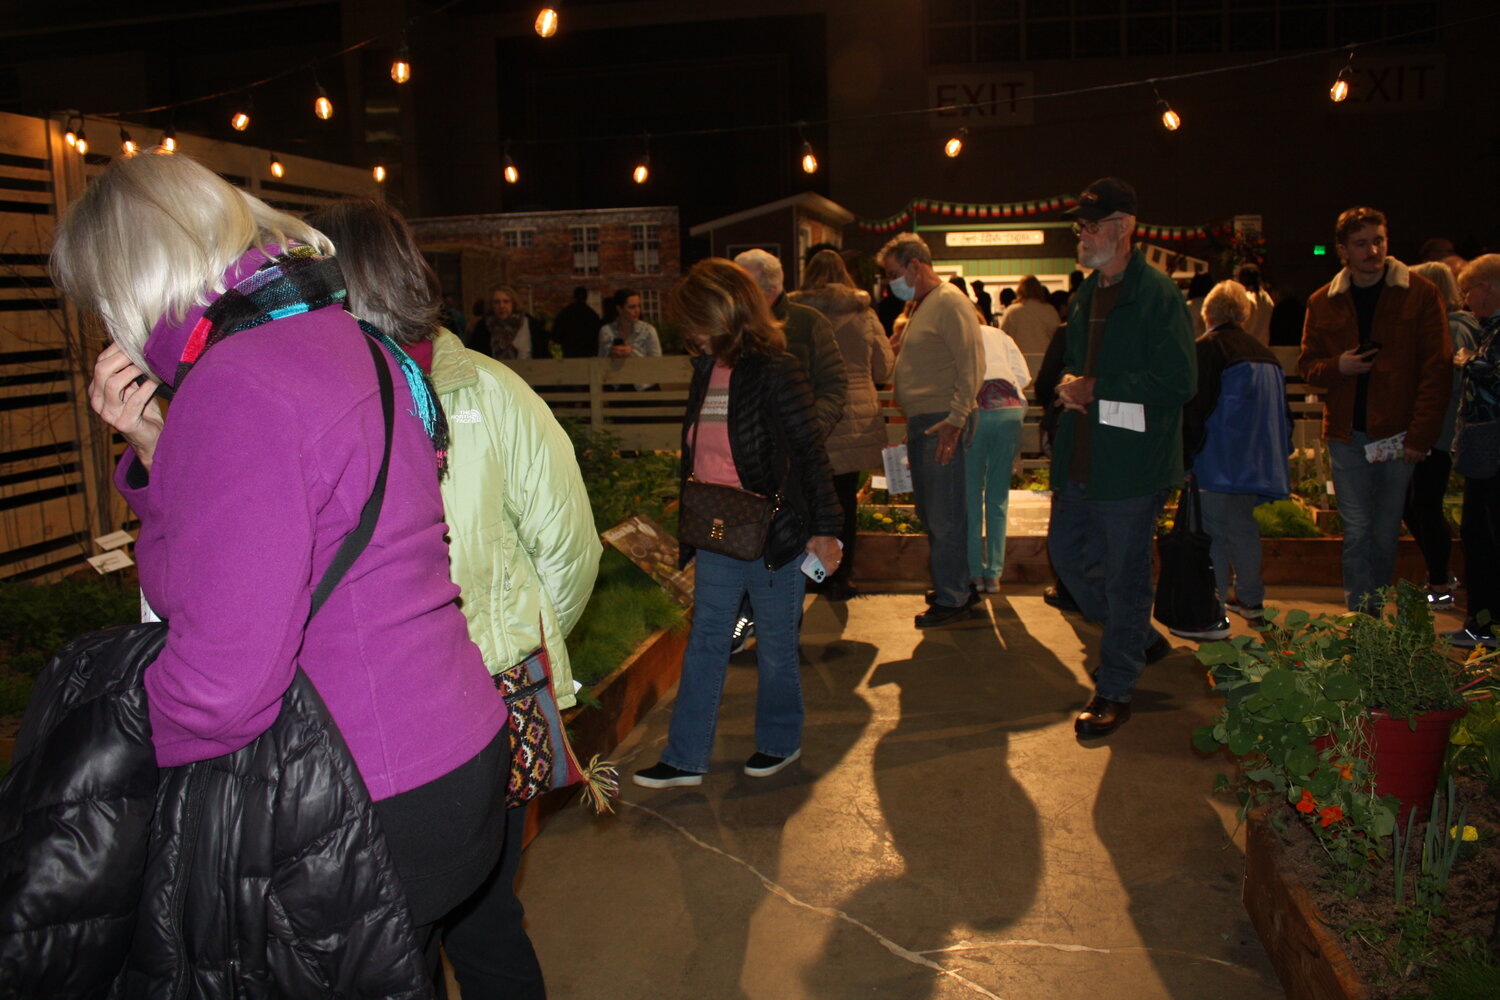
pixel 299 281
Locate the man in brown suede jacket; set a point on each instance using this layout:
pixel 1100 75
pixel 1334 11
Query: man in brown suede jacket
pixel 1376 341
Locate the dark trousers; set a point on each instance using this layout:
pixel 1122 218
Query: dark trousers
pixel 1480 533
pixel 484 936
pixel 846 487
pixel 1424 514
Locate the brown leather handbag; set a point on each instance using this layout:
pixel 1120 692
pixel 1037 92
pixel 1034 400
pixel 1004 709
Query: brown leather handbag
pixel 725 519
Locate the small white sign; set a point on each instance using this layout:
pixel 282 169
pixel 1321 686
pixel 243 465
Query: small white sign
pixel 110 561
pixel 897 468
pixel 878 483
pixel 997 238
pixel 114 540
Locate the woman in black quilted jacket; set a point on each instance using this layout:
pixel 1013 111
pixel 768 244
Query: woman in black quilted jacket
pixel 750 424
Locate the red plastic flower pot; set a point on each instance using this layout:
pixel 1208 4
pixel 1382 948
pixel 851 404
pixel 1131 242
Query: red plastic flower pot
pixel 1407 761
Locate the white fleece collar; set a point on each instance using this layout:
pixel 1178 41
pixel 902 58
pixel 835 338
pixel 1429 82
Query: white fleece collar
pixel 1397 275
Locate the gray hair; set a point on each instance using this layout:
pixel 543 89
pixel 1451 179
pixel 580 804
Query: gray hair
pixel 905 248
pixel 153 235
pixel 1483 270
pixel 765 268
pixel 1441 274
pixel 1226 302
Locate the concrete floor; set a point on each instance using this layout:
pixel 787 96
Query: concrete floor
pixel 945 835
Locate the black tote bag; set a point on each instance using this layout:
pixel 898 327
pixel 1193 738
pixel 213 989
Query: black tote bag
pixel 1187 595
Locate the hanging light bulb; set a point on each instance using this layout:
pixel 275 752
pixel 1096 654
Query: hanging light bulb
pixel 169 139
pixel 127 144
pixel 401 65
pixel 1339 92
pixel 240 119
pixel 82 143
pixel 379 173
pixel 277 170
pixel 323 107
pixel 642 170
pixel 955 145
pixel 546 22
pixel 1170 119
pixel 809 161
pixel 510 172
pixel 71 135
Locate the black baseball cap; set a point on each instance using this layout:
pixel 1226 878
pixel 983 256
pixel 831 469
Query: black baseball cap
pixel 1104 197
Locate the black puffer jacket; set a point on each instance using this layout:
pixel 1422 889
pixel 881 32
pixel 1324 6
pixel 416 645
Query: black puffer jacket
pixel 261 873
pixel 774 438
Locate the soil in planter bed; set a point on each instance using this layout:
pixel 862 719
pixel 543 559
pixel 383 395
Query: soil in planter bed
pixel 1473 889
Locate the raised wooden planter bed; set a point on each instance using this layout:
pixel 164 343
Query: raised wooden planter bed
pixel 624 697
pixel 887 561
pixel 1308 958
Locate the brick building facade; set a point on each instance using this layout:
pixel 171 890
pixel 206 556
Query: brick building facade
pixel 545 255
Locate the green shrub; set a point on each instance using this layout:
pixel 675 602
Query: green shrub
pixel 621 487
pixel 37 618
pixel 1285 519
pixel 627 606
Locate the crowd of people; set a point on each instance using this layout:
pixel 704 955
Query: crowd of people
pixel 480 550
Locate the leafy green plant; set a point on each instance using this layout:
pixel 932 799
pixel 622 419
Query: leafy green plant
pixel 37 618
pixel 1285 519
pixel 889 519
pixel 1403 668
pixel 619 486
pixel 1474 743
pixel 626 607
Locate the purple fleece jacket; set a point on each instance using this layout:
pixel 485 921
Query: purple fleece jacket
pixel 270 449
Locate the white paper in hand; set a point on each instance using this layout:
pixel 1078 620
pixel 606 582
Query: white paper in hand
pixel 897 469
pixel 1127 416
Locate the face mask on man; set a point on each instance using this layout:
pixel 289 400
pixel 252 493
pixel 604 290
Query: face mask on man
pixel 902 289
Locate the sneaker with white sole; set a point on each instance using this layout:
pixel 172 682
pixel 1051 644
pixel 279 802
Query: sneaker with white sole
pixel 744 631
pixel 1468 637
pixel 763 765
pixel 666 776
pixel 1219 631
pixel 1439 602
pixel 1255 614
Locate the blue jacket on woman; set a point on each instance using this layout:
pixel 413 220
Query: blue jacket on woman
pixel 1237 431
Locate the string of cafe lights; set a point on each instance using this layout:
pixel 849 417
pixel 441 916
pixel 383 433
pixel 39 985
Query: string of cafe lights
pixel 548 21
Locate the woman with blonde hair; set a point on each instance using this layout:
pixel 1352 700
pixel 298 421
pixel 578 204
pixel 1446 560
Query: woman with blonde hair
pixel 750 425
pixel 855 442
pixel 246 488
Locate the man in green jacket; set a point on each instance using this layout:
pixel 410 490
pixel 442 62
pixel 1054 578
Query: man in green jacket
pixel 1128 369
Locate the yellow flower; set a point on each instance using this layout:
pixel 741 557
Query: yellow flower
pixel 1470 834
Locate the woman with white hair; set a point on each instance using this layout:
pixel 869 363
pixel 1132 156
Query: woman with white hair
pixel 1237 434
pixel 1423 514
pixel 245 489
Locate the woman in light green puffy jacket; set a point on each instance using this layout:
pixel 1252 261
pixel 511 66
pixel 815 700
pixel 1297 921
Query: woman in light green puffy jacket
pixel 522 541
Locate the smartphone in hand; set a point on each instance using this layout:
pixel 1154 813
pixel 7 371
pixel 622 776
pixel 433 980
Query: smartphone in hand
pixel 812 568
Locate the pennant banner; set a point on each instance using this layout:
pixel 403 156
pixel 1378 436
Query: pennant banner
pixel 1010 210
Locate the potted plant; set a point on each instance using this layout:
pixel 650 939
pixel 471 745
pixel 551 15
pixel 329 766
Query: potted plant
pixel 1321 713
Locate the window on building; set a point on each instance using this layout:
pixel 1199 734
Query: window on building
pixel 991 31
pixel 586 250
pixel 651 305
pixel 517 239
pixel 645 247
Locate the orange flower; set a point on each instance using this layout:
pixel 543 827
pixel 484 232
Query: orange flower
pixel 1331 815
pixel 1307 804
pixel 1346 771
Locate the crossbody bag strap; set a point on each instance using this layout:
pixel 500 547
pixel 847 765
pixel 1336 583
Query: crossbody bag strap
pixel 355 542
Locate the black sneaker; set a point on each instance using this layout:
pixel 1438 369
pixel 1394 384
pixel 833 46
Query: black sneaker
pixel 665 776
pixel 969 602
pixel 1058 597
pixel 763 765
pixel 941 614
pixel 744 631
pixel 1157 648
pixel 1468 637
pixel 1217 631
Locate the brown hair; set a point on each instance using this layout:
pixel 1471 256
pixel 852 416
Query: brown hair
pixel 1031 289
pixel 1353 220
pixel 825 268
pixel 719 298
pixel 390 283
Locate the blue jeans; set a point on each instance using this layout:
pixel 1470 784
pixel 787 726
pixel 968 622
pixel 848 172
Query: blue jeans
pixel 942 504
pixel 988 462
pixel 776 599
pixel 1229 519
pixel 1101 550
pixel 1370 498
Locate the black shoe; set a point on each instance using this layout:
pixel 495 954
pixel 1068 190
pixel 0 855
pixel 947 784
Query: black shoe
pixel 744 631
pixel 665 776
pixel 1157 648
pixel 1059 598
pixel 941 614
pixel 763 765
pixel 969 602
pixel 1100 717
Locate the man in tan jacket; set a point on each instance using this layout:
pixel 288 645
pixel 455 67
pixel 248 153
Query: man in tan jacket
pixel 1376 341
pixel 938 373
